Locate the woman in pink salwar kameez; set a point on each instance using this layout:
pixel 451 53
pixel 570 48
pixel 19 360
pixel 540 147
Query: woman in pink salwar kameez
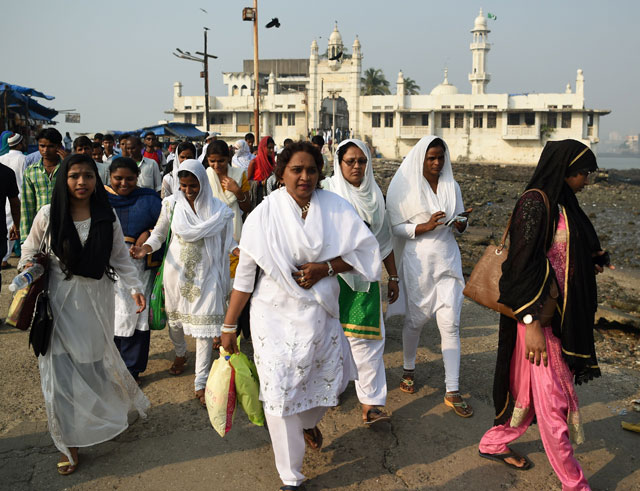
pixel 554 252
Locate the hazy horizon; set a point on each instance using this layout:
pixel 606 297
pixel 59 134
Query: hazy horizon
pixel 112 62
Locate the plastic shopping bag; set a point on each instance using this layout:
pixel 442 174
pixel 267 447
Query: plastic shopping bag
pixel 220 394
pixel 247 387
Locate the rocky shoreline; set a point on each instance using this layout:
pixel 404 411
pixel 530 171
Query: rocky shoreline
pixel 612 203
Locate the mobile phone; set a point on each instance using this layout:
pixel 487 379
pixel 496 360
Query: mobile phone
pixel 461 218
pixel 603 260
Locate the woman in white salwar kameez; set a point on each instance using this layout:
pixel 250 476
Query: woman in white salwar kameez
pixel 360 301
pixel 300 238
pixel 87 388
pixel 196 269
pixel 423 201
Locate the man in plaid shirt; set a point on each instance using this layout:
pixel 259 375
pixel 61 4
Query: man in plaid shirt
pixel 40 178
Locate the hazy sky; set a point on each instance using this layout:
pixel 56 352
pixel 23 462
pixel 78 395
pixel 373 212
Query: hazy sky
pixel 112 61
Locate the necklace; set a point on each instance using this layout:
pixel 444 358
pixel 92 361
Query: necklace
pixel 305 208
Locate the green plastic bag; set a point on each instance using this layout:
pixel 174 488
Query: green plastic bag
pixel 248 387
pixel 157 312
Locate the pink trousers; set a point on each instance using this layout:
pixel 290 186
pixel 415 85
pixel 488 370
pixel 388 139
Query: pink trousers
pixel 548 393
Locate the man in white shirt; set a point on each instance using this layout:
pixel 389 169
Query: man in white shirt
pixel 108 142
pixel 150 176
pixel 16 161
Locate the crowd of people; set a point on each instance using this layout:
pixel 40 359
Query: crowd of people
pixel 277 246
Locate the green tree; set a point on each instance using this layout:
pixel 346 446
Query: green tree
pixel 374 82
pixel 411 87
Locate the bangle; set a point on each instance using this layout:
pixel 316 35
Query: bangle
pixel 228 330
pixel 230 325
pixel 242 200
pixel 394 278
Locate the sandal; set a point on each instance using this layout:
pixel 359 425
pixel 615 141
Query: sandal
pixel 461 408
pixel 406 383
pixel 65 468
pixel 375 415
pixel 178 365
pixel 501 457
pixel 289 487
pixel 201 398
pixel 313 438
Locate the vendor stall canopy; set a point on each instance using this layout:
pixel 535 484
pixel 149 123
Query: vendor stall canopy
pixel 19 101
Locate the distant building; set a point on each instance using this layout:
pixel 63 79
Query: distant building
pixel 299 97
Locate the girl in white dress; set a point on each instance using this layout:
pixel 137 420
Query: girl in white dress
pixel 299 237
pixel 87 388
pixel 196 268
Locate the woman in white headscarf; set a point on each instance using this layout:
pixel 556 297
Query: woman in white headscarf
pixel 231 186
pixel 424 203
pixel 299 237
pixel 170 181
pixel 196 267
pixel 242 157
pixel 360 301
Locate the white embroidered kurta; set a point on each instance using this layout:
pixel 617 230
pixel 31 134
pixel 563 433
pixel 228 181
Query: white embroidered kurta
pixel 301 353
pixel 87 388
pixel 194 299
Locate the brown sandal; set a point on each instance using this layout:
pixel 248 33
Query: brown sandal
pixel 406 383
pixel 179 365
pixel 313 438
pixel 201 398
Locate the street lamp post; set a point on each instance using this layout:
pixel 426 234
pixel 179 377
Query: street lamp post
pixel 251 14
pixel 333 93
pixel 204 59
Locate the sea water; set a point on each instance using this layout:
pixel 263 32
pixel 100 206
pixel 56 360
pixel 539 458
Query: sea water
pixel 620 163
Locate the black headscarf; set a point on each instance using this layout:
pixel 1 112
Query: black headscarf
pixel 92 259
pixel 527 274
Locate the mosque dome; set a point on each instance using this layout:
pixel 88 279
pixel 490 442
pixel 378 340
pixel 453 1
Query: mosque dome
pixel 445 88
pixel 335 37
pixel 480 24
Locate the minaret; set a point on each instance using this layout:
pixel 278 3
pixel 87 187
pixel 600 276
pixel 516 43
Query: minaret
pixel 479 49
pixel 313 97
pixel 335 48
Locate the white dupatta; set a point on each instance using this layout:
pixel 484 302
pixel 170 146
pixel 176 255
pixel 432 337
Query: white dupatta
pixel 279 241
pixel 410 197
pixel 242 157
pixel 227 197
pixel 368 201
pixel 211 221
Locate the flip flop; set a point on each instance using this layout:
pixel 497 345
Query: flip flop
pixel 70 469
pixel 500 457
pixel 313 438
pixel 290 487
pixel 375 415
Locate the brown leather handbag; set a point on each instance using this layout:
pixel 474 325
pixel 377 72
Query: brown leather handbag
pixel 483 285
pixel 23 306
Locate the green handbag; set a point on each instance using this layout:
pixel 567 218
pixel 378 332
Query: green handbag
pixel 157 312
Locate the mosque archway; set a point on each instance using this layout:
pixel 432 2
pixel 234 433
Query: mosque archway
pixel 335 106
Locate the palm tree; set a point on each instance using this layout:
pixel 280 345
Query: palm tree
pixel 374 82
pixel 411 87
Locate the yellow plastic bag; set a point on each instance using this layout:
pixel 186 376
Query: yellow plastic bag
pixel 220 394
pixel 247 387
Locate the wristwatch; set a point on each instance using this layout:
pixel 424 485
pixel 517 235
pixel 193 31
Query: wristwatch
pixel 528 319
pixel 331 272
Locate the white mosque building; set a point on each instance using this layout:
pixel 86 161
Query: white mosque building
pixel 301 96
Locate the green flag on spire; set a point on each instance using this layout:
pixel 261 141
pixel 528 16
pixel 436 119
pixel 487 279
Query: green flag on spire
pixel 491 16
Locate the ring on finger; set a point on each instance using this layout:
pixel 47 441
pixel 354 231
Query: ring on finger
pixel 531 353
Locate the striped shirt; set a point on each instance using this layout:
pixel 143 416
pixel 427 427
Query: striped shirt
pixel 37 187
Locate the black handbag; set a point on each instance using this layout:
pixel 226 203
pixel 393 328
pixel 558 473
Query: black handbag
pixel 41 324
